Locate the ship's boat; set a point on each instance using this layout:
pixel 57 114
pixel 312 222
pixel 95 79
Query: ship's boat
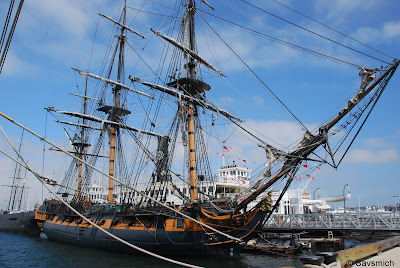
pixel 166 138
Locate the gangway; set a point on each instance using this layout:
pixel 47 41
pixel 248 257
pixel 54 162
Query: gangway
pixel 364 221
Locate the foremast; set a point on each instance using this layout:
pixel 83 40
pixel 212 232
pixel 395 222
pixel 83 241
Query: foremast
pixel 82 144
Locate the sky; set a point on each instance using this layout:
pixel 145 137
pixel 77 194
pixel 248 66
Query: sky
pixel 54 36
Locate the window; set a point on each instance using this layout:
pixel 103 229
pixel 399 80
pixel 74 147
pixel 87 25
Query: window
pixel 180 223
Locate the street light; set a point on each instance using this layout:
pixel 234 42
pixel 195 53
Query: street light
pixel 344 198
pixel 314 193
pixel 359 207
pixel 395 203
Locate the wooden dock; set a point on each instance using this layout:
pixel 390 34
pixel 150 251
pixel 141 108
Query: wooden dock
pixel 312 242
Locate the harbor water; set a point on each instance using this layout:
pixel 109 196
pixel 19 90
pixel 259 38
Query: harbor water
pixel 24 251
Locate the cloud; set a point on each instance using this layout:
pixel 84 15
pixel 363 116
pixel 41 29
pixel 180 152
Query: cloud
pixel 372 156
pixel 343 7
pixel 68 17
pixel 387 31
pixel 15 65
pixel 375 142
pixel 281 134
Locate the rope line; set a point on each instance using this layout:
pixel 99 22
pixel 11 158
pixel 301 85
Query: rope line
pixel 326 38
pixel 334 29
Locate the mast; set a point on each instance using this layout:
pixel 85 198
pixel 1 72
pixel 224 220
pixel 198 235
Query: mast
pixel 82 145
pixel 116 106
pixel 191 73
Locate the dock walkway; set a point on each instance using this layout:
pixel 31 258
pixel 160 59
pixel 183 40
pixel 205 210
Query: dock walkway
pixel 372 221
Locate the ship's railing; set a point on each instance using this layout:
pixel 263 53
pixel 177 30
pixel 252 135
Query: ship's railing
pixel 335 221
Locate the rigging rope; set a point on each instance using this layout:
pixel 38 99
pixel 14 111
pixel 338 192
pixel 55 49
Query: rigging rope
pixel 5 28
pixel 257 77
pixel 333 29
pixel 279 41
pixel 326 38
pixel 10 36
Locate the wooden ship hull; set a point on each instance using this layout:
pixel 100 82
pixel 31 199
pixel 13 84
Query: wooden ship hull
pixel 156 229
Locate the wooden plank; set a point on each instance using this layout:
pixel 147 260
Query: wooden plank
pixel 349 256
pixel 390 243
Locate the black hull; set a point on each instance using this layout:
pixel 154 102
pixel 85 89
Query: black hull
pixel 21 223
pixel 160 241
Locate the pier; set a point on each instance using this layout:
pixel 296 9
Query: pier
pixel 364 221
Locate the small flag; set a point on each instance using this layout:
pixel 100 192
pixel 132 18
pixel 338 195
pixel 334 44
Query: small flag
pixel 244 160
pixel 226 148
pixel 309 177
pixel 305 165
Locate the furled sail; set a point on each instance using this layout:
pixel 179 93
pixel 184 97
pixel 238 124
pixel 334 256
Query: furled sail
pixel 105 80
pixel 122 25
pixel 107 122
pixel 78 125
pixel 185 97
pixel 188 51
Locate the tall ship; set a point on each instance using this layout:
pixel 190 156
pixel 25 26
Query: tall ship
pixel 16 218
pixel 151 135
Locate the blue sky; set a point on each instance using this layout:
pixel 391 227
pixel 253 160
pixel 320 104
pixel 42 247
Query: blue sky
pixel 53 36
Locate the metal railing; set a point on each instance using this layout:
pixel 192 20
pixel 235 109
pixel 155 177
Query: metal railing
pixel 338 221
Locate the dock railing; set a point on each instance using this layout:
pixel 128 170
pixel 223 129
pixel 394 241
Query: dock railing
pixel 384 221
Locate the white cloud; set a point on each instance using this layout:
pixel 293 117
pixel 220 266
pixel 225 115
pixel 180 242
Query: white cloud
pixel 281 134
pixel 387 31
pixel 372 156
pixel 375 142
pixel 15 65
pixel 391 29
pixel 343 7
pixel 68 17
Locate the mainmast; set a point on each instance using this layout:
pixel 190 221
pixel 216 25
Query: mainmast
pixel 191 73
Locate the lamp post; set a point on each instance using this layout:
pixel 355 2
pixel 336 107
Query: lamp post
pixel 314 193
pixel 344 198
pixel 359 207
pixel 395 203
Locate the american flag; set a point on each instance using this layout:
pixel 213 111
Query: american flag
pixel 226 148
